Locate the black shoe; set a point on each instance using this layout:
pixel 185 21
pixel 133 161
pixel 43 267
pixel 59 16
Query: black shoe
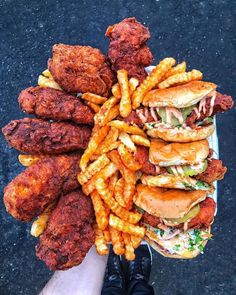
pixel 140 268
pixel 114 274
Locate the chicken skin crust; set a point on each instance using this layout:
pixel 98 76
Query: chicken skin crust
pixel 128 49
pixel 69 234
pixel 37 136
pixel 80 69
pixel 54 104
pixel 26 196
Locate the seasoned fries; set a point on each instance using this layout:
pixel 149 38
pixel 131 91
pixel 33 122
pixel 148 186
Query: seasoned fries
pixel 28 160
pixel 126 227
pixel 112 182
pixel 118 192
pixel 127 141
pixel 125 127
pixel 140 140
pixel 105 173
pixel 129 249
pixel 128 159
pixel 181 78
pixel 103 116
pixel 117 241
pixel 116 90
pixel 102 189
pixel 125 102
pixel 97 136
pixel 94 98
pixel 46 80
pixel 93 168
pixel 133 84
pixel 100 211
pixel 39 225
pixel 100 242
pixel 180 68
pixel 136 241
pixel 153 79
pixel 93 106
pixel 107 235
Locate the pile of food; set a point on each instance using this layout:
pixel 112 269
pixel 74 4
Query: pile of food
pixel 115 155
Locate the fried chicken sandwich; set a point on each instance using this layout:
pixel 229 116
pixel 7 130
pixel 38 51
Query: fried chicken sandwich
pixel 187 166
pixel 177 222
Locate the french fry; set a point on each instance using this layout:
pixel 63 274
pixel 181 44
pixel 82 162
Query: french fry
pixel 100 242
pixel 112 182
pixel 111 138
pixel 46 73
pixel 28 160
pixel 93 106
pixel 153 79
pixel 97 136
pixel 94 98
pixel 129 249
pixel 126 140
pixel 126 227
pixel 140 140
pixel 107 235
pixel 102 189
pixel 181 78
pixel 105 173
pixel 99 209
pixel 125 102
pixel 133 84
pixel 111 147
pixel 125 127
pixel 39 225
pixel 180 68
pixel 103 116
pixel 136 241
pixel 112 114
pixel 93 168
pixel 117 241
pixel 128 159
pixel 47 82
pixel 116 90
pixel 129 177
pixel 118 192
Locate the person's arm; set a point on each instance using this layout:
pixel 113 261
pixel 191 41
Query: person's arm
pixel 85 279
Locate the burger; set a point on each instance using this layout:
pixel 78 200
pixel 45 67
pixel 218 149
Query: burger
pixel 186 166
pixel 183 113
pixel 177 222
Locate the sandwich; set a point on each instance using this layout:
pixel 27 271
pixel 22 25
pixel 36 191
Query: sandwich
pixel 183 113
pixel 177 222
pixel 185 166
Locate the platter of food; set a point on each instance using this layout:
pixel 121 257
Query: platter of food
pixel 118 152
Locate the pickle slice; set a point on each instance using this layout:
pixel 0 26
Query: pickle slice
pixel 190 215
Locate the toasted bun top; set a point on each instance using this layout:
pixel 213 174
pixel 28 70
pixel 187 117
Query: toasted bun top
pixel 166 154
pixel 180 96
pixel 167 203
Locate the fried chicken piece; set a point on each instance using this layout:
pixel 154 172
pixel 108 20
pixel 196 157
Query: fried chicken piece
pixel 128 49
pixel 203 219
pixel 142 156
pixel 215 171
pixel 69 234
pixel 36 136
pixel 205 215
pixel 26 196
pixel 54 104
pixel 80 69
pixel 221 104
